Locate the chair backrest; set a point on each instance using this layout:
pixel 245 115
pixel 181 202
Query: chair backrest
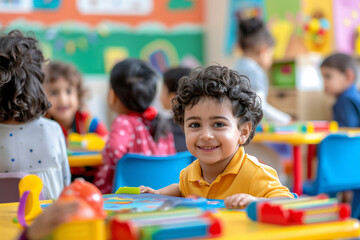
pixel 338 164
pixel 9 187
pixel 133 170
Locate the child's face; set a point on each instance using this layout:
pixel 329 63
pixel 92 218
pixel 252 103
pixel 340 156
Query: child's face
pixel 266 57
pixel 166 98
pixel 335 82
pixel 211 131
pixel 64 99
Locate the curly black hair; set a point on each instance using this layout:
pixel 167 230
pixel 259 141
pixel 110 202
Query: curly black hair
pixel 56 69
pixel 21 94
pixel 220 83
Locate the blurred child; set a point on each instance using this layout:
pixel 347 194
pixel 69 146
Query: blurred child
pixel 339 73
pixel 64 88
pixel 219 113
pixel 171 78
pixel 257 46
pixel 137 128
pixel 28 142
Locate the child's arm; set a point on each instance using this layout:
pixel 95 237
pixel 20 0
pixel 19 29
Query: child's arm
pixel 239 200
pixel 50 219
pixel 243 199
pixel 171 190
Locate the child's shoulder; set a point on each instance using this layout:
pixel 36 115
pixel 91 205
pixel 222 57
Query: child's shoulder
pixel 127 120
pixel 255 164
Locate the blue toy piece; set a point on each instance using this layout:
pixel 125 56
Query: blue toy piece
pixel 134 170
pixel 338 168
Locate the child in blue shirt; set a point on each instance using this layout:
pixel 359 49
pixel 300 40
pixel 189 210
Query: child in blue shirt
pixel 339 73
pixel 257 46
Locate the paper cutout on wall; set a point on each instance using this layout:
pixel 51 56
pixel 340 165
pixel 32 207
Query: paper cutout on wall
pixel 279 9
pixel 237 9
pixel 19 6
pixel 180 4
pixel 46 50
pixel 314 11
pixel 113 55
pixel 115 7
pixel 88 50
pixel 161 53
pixel 316 33
pixel 47 4
pixel 281 31
pixel 346 21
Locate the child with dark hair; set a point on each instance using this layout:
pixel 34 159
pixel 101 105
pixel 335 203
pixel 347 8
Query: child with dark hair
pixel 28 143
pixel 171 79
pixel 138 128
pixel 219 113
pixel 64 88
pixel 257 46
pixel 340 73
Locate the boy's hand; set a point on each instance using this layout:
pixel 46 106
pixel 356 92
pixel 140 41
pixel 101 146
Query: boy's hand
pixel 144 189
pixel 239 200
pixel 50 219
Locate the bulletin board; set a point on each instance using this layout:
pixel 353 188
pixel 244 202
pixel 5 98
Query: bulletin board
pixel 164 32
pixel 303 26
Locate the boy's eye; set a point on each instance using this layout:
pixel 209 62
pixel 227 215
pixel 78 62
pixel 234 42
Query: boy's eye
pixel 219 124
pixel 68 90
pixel 194 125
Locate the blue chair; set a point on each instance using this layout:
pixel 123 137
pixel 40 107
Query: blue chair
pixel 133 170
pixel 338 168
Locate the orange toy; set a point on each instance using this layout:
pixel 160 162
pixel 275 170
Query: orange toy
pixel 89 197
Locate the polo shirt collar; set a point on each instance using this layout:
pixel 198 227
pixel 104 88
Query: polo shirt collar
pixel 232 168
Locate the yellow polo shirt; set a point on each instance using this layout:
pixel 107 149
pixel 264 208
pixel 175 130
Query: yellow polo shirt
pixel 244 174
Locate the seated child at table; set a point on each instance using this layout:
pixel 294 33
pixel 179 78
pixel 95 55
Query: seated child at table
pixel 28 142
pixel 339 72
pixel 63 86
pixel 219 113
pixel 171 79
pixel 138 128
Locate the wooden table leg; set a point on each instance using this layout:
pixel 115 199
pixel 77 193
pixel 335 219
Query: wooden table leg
pixel 297 158
pixel 310 157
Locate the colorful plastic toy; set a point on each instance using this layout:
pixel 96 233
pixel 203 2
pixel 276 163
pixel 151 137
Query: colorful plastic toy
pixel 172 224
pixel 88 142
pixel 88 221
pixel 300 127
pixel 299 211
pixel 128 190
pixel 89 197
pixel 30 188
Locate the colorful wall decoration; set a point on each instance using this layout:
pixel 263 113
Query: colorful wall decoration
pixel 347 21
pixel 100 33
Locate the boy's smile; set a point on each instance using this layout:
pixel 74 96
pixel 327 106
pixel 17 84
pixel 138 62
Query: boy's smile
pixel 211 131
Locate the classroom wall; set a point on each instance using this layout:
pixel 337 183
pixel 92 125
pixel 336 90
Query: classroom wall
pixel 169 34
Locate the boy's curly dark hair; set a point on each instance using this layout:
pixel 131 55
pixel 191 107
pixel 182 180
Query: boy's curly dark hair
pixel 55 70
pixel 220 83
pixel 21 95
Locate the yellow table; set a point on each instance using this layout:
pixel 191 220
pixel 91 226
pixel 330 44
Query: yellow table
pixel 236 226
pixel 85 160
pixel 296 140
